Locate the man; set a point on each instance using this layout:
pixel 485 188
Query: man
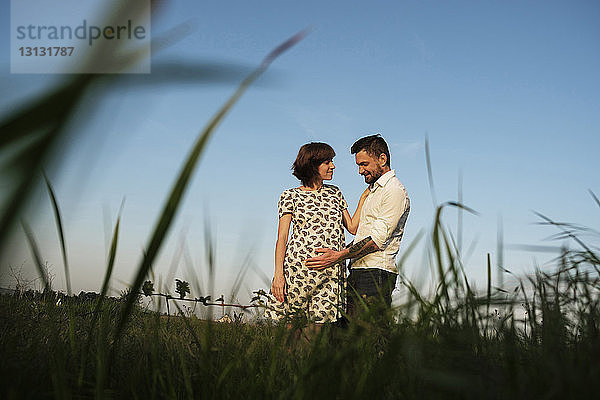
pixel 373 270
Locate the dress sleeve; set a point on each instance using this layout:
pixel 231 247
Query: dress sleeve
pixel 286 203
pixel 343 204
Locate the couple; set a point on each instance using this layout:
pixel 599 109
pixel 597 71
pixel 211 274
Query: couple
pixel 310 272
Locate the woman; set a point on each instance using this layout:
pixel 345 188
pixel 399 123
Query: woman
pixel 319 213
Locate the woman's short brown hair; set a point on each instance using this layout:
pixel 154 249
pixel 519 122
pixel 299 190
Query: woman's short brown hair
pixel 310 156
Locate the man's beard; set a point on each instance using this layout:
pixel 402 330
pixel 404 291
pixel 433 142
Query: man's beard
pixel 373 176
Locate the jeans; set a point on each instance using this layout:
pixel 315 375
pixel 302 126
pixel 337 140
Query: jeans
pixel 372 286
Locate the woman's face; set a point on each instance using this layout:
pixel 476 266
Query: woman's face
pixel 326 170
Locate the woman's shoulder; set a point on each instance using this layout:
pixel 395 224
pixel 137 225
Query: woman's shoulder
pixel 332 188
pixel 288 192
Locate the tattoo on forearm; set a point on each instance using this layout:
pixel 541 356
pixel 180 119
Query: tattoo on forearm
pixel 362 248
pixel 357 246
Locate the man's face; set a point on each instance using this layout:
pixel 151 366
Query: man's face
pixel 368 167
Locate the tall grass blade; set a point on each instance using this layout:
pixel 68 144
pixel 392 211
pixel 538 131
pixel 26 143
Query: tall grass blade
pixel 111 257
pixel 98 307
pixel 430 172
pixel 489 279
pixel 594 197
pixel 459 222
pixel 61 234
pixel 438 237
pixel 176 257
pixel 193 273
pixel 500 251
pixel 37 259
pixel 437 249
pixel 209 246
pixel 239 278
pixel 569 233
pixel 489 292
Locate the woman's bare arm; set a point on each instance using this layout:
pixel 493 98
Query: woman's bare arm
pixel 278 287
pixel 351 224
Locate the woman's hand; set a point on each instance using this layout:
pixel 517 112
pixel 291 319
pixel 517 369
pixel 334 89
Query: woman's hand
pixel 278 287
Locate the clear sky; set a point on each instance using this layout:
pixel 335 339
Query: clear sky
pixel 506 91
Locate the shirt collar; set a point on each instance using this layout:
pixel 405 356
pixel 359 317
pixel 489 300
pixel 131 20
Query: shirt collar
pixel 383 179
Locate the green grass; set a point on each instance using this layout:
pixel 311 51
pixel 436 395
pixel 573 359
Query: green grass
pixel 449 347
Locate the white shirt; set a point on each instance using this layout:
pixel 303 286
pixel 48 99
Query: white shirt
pixel 383 217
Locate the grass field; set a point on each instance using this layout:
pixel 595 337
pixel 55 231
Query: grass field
pixel 456 344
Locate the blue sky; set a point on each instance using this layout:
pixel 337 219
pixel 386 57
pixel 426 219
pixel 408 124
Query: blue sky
pixel 506 92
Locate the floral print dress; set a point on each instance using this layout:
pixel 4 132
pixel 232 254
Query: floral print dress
pixel 317 222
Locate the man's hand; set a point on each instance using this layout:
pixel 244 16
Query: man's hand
pixel 328 257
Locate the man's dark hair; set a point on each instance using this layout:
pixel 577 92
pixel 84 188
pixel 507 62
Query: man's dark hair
pixel 374 145
pixel 310 156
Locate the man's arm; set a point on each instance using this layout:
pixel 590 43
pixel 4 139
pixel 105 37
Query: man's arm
pixel 329 257
pixel 361 248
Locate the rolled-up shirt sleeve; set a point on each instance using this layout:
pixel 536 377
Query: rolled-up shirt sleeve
pixel 392 207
